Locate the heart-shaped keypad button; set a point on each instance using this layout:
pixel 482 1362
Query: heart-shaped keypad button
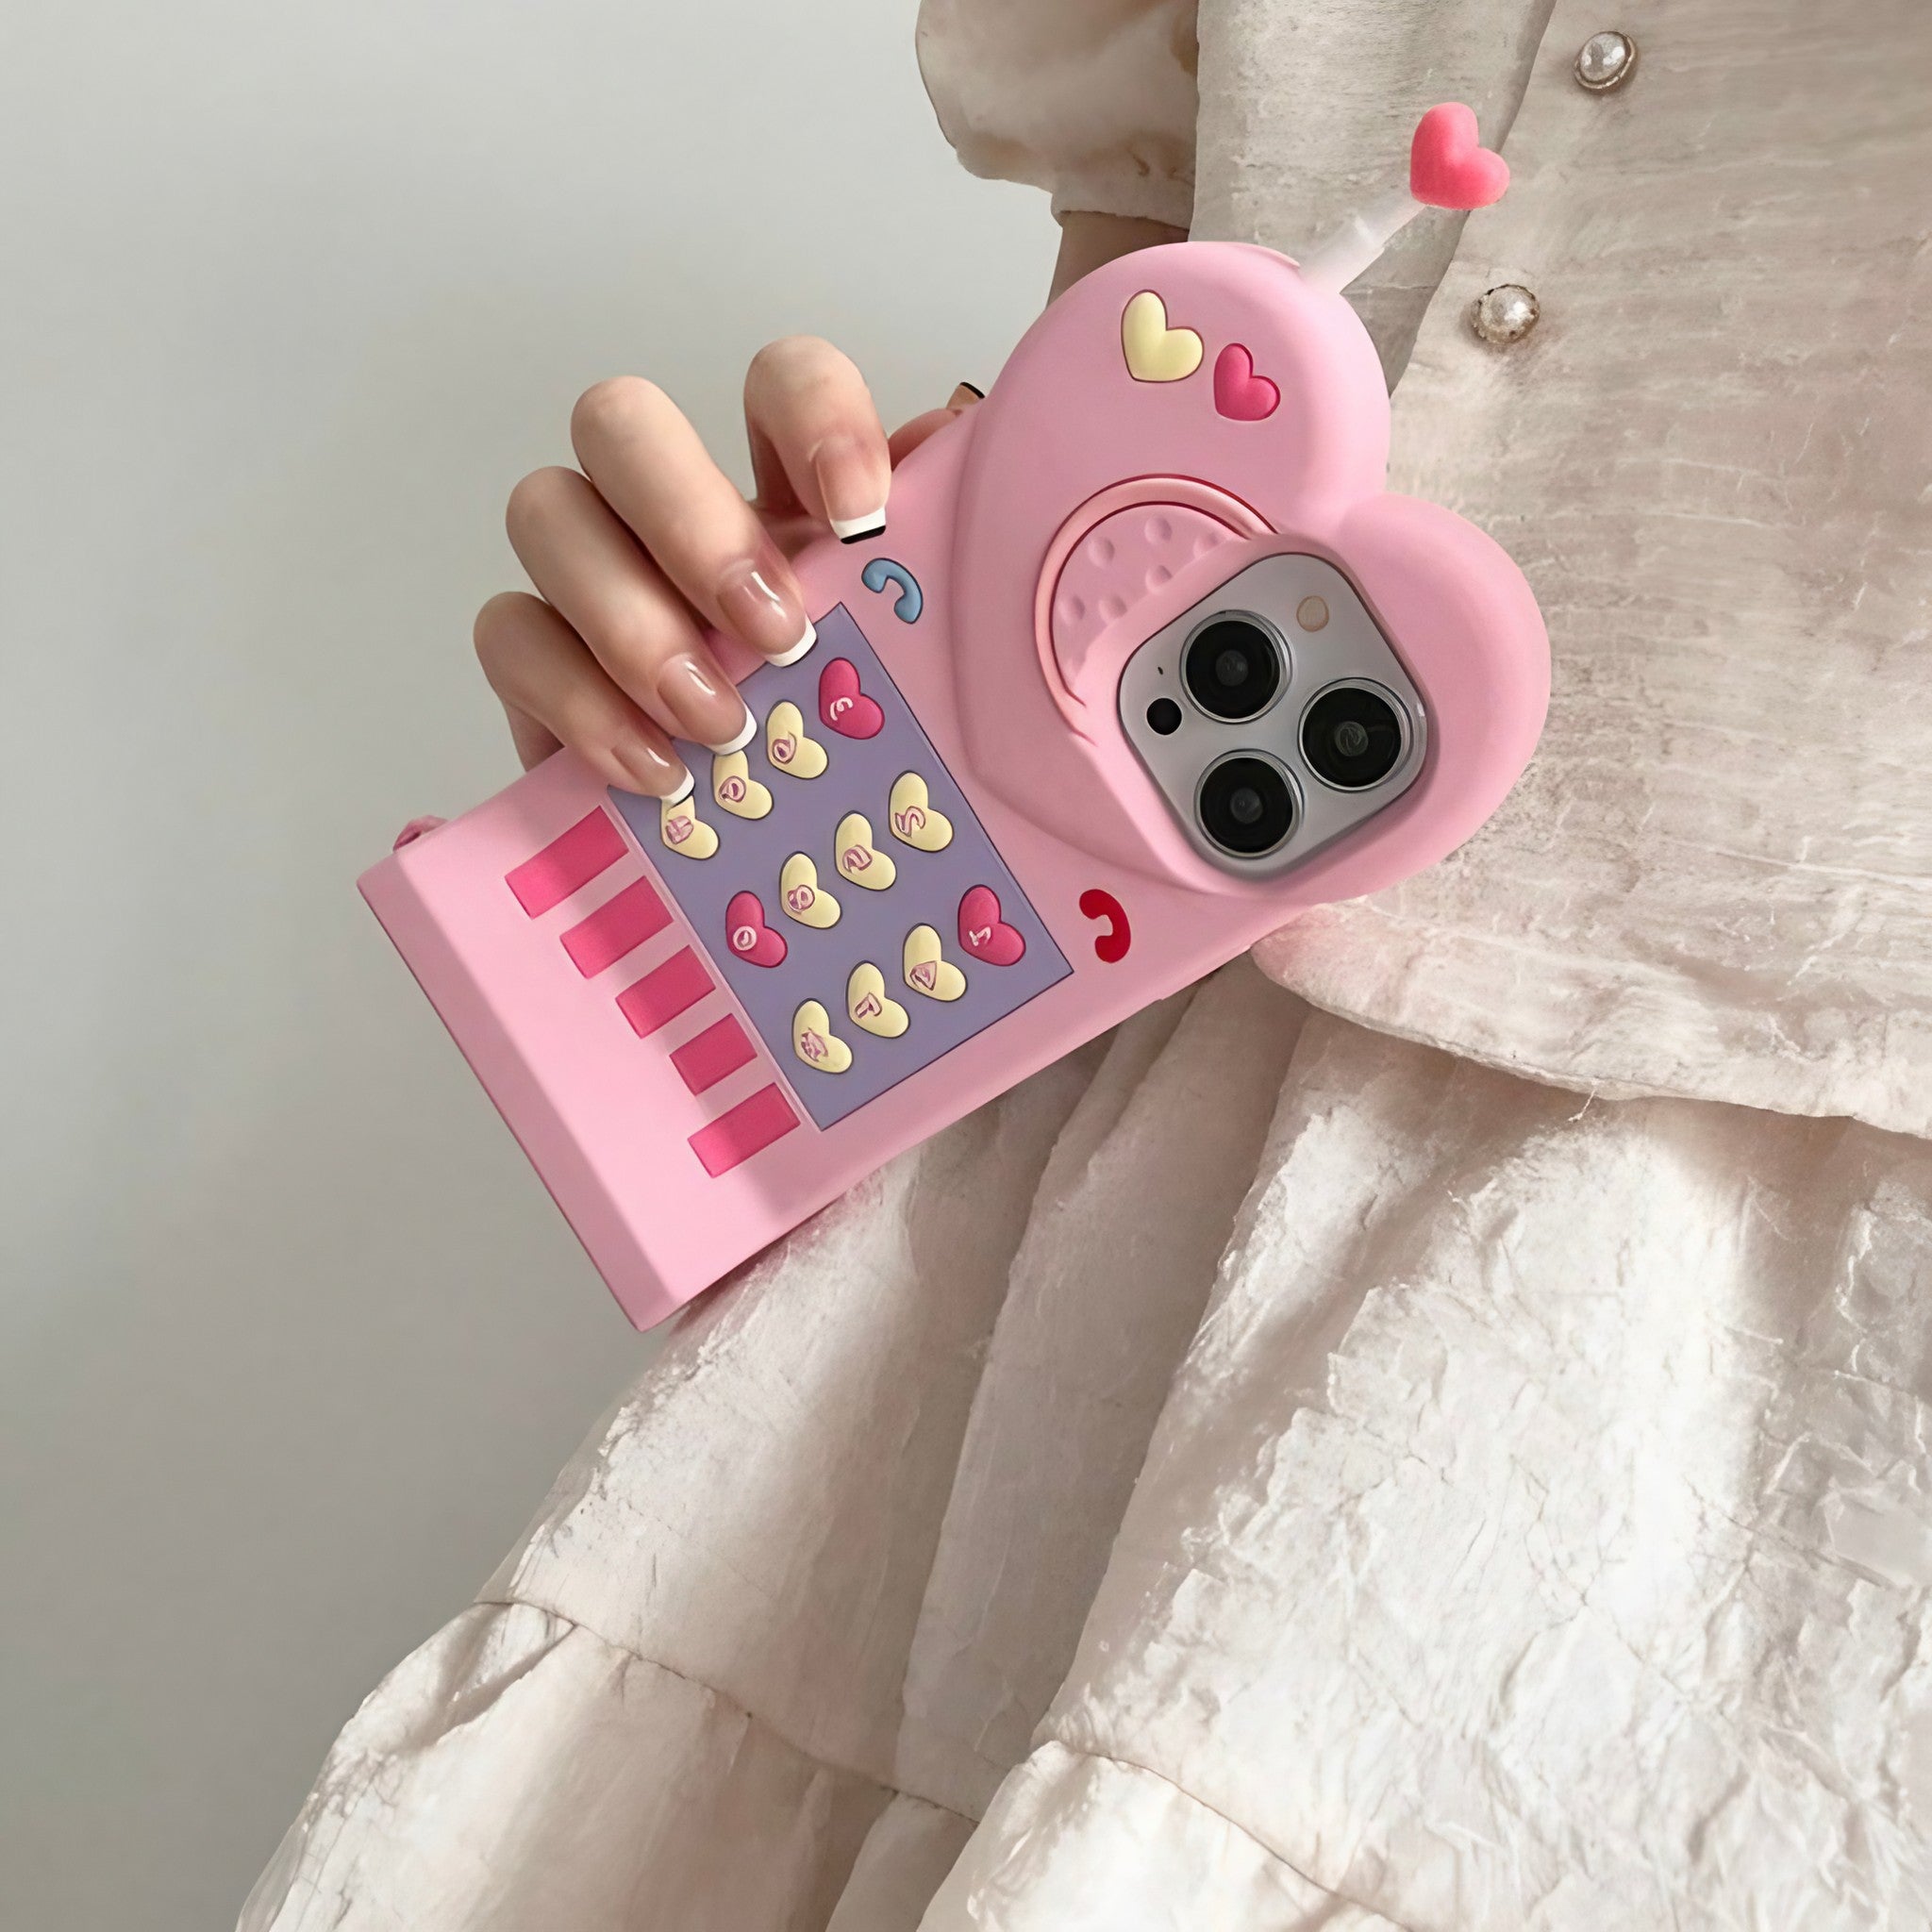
pixel 984 934
pixel 747 934
pixel 735 788
pixel 860 860
pixel 869 1006
pixel 684 832
pixel 915 819
pixel 1155 352
pixel 815 1043
pixel 927 969
pixel 843 707
pixel 790 750
pixel 802 896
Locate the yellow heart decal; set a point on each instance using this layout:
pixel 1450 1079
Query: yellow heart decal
pixel 860 860
pixel 916 819
pixel 803 897
pixel 735 788
pixel 868 1004
pixel 682 831
pixel 787 746
pixel 815 1043
pixel 928 970
pixel 1155 352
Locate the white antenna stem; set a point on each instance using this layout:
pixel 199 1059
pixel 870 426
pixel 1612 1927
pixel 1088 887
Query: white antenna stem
pixel 1356 249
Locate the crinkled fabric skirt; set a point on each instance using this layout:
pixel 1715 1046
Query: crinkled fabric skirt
pixel 1259 1475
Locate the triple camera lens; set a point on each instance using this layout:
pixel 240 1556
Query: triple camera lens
pixel 1232 668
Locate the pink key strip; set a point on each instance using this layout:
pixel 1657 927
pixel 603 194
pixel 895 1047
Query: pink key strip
pixel 664 993
pixel 709 1056
pixel 617 928
pixel 750 1127
pixel 566 865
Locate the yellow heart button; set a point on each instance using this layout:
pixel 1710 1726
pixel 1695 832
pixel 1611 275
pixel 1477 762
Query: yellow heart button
pixel 927 969
pixel 803 897
pixel 682 831
pixel 868 1004
pixel 860 860
pixel 735 788
pixel 1155 352
pixel 915 819
pixel 815 1043
pixel 787 746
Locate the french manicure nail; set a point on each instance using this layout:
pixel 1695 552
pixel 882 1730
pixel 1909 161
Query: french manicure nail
pixel 965 392
pixel 654 774
pixel 759 601
pixel 849 485
pixel 705 706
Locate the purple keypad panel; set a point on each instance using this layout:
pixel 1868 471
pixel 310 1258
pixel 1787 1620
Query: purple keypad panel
pixel 927 889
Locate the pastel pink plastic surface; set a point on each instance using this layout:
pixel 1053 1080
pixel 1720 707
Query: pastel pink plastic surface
pixel 1048 533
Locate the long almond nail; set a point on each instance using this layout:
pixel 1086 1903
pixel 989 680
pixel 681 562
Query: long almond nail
pixel 759 601
pixel 706 706
pixel 654 773
pixel 849 482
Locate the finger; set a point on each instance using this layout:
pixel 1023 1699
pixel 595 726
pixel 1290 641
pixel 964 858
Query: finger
pixel 909 436
pixel 650 466
pixel 816 434
pixel 556 692
pixel 588 566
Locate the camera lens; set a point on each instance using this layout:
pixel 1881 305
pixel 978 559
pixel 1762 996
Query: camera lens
pixel 1246 805
pixel 1351 737
pixel 1232 667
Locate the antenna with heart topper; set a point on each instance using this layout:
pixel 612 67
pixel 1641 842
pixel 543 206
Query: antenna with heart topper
pixel 1448 167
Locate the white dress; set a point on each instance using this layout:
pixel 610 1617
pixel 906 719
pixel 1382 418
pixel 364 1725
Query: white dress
pixel 1283 1467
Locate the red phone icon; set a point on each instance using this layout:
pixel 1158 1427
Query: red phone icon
pixel 1110 945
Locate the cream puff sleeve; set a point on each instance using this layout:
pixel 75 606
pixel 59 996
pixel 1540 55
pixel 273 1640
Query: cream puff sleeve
pixel 1090 99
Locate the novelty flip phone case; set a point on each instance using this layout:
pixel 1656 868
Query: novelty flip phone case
pixel 991 813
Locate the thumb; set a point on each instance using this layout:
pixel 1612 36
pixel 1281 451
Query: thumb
pixel 909 436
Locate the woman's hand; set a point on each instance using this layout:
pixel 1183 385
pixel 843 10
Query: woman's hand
pixel 650 542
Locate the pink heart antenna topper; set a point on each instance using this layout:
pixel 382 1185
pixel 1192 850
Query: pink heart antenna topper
pixel 1448 167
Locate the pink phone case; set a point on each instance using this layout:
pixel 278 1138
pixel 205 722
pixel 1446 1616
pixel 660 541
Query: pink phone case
pixel 951 859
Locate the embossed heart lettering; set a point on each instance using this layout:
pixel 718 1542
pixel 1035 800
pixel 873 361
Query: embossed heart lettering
pixel 984 933
pixel 734 788
pixel 802 896
pixel 869 1006
pixel 1448 167
pixel 1239 392
pixel 916 820
pixel 787 746
pixel 683 831
pixel 860 860
pixel 928 970
pixel 815 1043
pixel 1155 352
pixel 843 707
pixel 748 935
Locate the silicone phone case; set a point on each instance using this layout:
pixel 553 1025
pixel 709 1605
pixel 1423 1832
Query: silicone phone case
pixel 943 863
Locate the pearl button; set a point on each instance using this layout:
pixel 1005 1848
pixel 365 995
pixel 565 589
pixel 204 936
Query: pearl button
pixel 1605 61
pixel 1505 314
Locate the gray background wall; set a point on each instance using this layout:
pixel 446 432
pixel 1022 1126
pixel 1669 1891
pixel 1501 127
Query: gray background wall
pixel 290 1342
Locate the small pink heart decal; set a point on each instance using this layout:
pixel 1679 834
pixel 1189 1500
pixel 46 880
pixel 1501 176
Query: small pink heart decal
pixel 984 933
pixel 1448 167
pixel 926 974
pixel 748 935
pixel 843 707
pixel 680 828
pixel 1239 392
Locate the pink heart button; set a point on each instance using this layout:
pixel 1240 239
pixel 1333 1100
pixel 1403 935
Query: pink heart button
pixel 1448 167
pixel 984 933
pixel 1239 392
pixel 843 707
pixel 747 934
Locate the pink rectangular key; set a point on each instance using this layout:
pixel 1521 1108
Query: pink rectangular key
pixel 707 1057
pixel 750 1127
pixel 664 993
pixel 620 925
pixel 567 864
